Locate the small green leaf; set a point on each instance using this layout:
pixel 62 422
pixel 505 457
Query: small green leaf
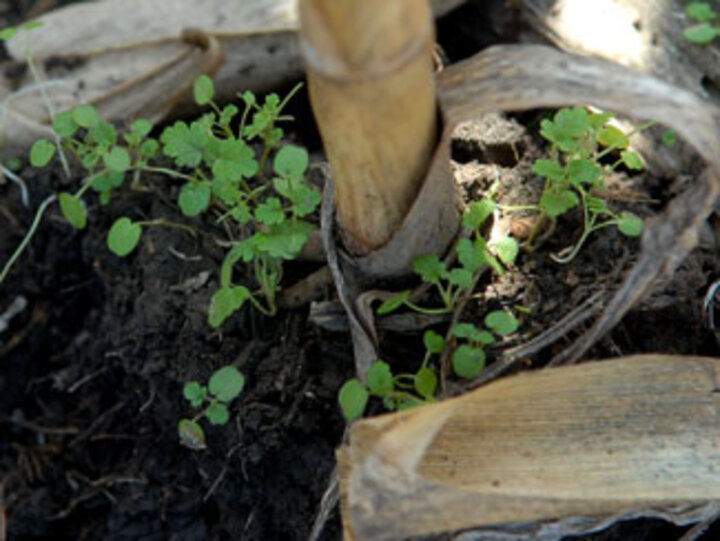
pixel 610 136
pixel 141 127
pixel 566 128
pixel 473 334
pixel 32 25
pixel 668 138
pixel 462 278
pixel 235 164
pixel 556 203
pixel 248 97
pixel 549 169
pixel 700 11
pixel 225 301
pixel 241 213
pixel 380 379
pixel 194 393
pixel 701 33
pixel 117 160
pixel 217 414
pixel 284 240
pixel 584 171
pixel 191 434
pixel 8 33
pixel 464 330
pixel 501 322
pixel 425 382
pixel 86 116
pixel 430 268
pixel 203 90
pixel 64 125
pixel 596 205
pixel 394 302
pixel 226 383
pixel 180 144
pixel 434 343
pixel 484 338
pixel 73 210
pixel 631 160
pixel 104 134
pixel 597 120
pixel 468 361
pixel 471 254
pixel 41 153
pixel 123 236
pixel 270 212
pixel 291 161
pixel 507 249
pixel 194 198
pixel 478 212
pixel 353 398
pixel 90 160
pixel 149 148
pixel 228 113
pixel 630 225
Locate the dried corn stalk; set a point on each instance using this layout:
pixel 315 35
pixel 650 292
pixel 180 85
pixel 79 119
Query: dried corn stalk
pixel 372 88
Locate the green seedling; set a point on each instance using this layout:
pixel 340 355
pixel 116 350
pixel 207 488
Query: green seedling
pixel 468 359
pixel 216 165
pixel 473 255
pixel 397 392
pixel 574 176
pixel 706 26
pixel 224 386
pixel 403 391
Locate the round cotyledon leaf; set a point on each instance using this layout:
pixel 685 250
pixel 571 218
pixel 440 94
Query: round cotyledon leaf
pixel 226 383
pixel 123 236
pixel 191 434
pixel 353 398
pixel 73 210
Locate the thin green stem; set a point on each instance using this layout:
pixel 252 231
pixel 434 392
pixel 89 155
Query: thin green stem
pixel 27 238
pixel 88 182
pixel 50 109
pixel 169 173
pixel 426 311
pixel 290 95
pixel 517 208
pixel 262 309
pixel 611 148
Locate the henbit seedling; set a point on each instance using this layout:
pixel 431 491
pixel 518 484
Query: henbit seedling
pixel 575 177
pixel 224 386
pixel 214 160
pixel 468 359
pixel 707 26
pixel 473 254
pixel 399 392
pixel 405 391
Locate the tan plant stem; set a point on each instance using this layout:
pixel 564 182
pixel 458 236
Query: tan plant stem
pixel 370 77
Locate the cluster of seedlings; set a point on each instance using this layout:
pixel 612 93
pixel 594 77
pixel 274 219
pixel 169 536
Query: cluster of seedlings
pixel 235 160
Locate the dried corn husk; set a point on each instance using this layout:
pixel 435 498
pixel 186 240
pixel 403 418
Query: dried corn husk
pixel 134 58
pixel 635 432
pixel 646 35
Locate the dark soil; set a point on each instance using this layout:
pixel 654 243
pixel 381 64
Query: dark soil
pixel 92 369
